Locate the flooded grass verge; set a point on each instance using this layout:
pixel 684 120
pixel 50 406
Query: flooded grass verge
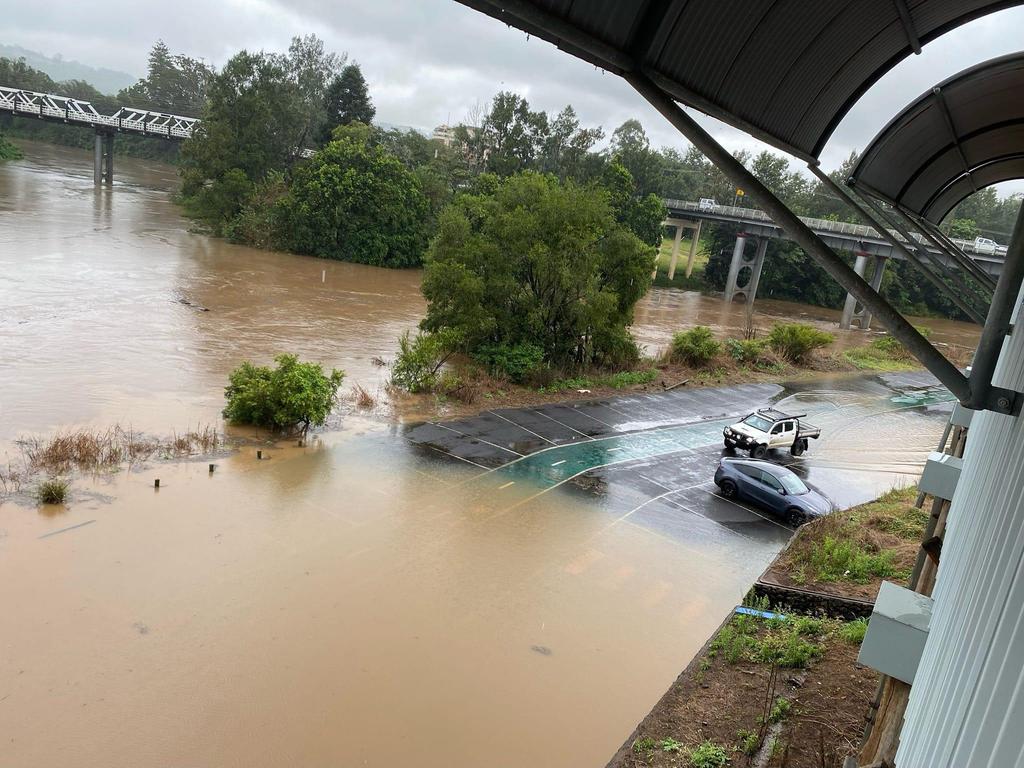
pixel 95 450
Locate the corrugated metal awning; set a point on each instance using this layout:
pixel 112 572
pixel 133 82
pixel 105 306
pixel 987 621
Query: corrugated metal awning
pixel 959 137
pixel 785 71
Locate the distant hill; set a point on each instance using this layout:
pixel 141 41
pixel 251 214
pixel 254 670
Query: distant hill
pixel 106 80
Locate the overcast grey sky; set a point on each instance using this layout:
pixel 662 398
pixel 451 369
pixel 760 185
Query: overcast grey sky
pixel 430 61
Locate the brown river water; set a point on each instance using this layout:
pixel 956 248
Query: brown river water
pixel 354 602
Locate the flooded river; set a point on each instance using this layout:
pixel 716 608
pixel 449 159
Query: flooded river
pixel 358 601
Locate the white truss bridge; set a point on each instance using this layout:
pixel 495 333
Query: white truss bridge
pixel 63 109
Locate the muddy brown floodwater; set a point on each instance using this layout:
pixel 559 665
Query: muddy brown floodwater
pixel 353 602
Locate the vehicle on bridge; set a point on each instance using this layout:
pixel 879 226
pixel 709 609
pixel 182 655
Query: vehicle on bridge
pixel 773 488
pixel 768 428
pixel 988 247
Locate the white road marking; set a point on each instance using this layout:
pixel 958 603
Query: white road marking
pixel 506 485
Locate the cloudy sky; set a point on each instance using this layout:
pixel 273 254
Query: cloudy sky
pixel 431 61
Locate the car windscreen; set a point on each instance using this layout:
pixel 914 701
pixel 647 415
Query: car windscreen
pixel 758 422
pixel 793 485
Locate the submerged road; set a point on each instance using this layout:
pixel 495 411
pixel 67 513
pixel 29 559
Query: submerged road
pixel 648 460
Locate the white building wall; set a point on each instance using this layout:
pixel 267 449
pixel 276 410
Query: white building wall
pixel 966 707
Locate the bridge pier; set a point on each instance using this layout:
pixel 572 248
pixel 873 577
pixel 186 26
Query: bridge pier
pixel 681 225
pixel 745 271
pixel 853 310
pixel 693 248
pixel 103 159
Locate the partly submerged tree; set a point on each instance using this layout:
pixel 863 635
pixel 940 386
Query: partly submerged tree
pixel 354 201
pixel 248 130
pixel 530 260
pixel 293 394
pixel 347 100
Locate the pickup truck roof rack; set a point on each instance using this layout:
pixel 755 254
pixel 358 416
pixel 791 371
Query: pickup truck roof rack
pixel 775 415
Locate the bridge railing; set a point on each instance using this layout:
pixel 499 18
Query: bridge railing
pixel 67 109
pixel 859 231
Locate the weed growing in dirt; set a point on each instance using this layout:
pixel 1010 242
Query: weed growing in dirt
pixel 838 559
pixel 747 742
pixel 52 491
pixel 780 710
pixel 708 755
pixel 643 745
pixel 671 745
pixel 853 631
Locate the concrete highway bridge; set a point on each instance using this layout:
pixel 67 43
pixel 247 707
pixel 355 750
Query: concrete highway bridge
pixel 936 259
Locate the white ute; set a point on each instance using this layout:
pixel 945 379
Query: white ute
pixel 768 428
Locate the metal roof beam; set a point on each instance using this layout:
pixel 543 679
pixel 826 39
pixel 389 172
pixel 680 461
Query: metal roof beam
pixel 940 100
pixel 908 25
pixel 937 238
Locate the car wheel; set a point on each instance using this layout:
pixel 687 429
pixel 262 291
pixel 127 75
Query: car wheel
pixel 794 517
pixel 797 448
pixel 758 451
pixel 729 448
pixel 729 489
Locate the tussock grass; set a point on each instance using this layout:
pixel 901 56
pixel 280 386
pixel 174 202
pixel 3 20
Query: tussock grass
pixel 53 490
pixel 362 398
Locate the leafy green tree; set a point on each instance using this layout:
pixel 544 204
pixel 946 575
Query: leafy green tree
pixel 630 144
pixel 175 84
pixel 354 201
pixel 293 394
pixel 565 149
pixel 511 134
pixel 529 260
pixel 7 150
pixel 965 229
pixel 347 101
pixel 248 130
pixel 642 215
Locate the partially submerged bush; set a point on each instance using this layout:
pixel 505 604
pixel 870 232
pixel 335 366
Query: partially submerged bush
pixel 53 490
pixel 291 395
pixel 697 346
pixel 420 358
pixel 796 341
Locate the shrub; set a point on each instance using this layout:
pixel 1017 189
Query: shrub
pixel 708 755
pixel 52 491
pixel 511 361
pixel 420 358
pixel 853 631
pixel 787 649
pixel 671 745
pixel 795 341
pixel 696 347
pixel 624 379
pixel 746 351
pixel 292 394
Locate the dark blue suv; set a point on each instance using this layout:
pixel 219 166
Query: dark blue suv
pixel 771 487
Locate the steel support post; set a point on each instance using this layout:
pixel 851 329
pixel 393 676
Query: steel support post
pixel 933 278
pixel 879 225
pixel 675 252
pixel 967 270
pixel 938 238
pixel 813 245
pixel 693 248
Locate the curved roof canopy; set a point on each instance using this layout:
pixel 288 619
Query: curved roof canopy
pixel 785 71
pixel 962 136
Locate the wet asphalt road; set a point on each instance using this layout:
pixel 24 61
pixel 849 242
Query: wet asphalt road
pixel 649 459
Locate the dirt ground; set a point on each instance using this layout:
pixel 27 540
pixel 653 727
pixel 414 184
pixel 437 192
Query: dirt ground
pixel 713 700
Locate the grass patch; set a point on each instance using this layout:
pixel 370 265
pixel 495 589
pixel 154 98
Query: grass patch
pixel 620 380
pixel 53 490
pixel 872 359
pixel 857 547
pixel 853 631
